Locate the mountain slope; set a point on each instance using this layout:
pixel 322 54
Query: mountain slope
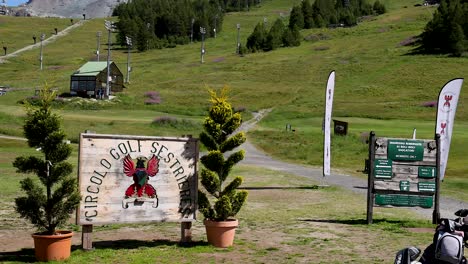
pixel 72 8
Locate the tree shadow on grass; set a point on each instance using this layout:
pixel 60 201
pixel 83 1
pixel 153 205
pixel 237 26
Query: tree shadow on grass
pixel 27 254
pixel 133 244
pixel 354 221
pixel 312 187
pixel 23 255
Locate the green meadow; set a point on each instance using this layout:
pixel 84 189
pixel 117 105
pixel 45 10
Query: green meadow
pixel 379 87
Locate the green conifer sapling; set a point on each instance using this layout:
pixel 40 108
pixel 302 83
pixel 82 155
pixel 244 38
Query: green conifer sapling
pixel 220 123
pixel 48 202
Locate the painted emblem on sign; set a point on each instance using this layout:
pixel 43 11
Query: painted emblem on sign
pixel 443 125
pixel 447 106
pixel 140 191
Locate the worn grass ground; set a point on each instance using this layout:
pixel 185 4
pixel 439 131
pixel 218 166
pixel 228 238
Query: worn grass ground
pixel 378 85
pixel 287 219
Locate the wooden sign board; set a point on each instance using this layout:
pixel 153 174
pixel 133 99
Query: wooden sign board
pixel 403 172
pixel 134 179
pixel 405 165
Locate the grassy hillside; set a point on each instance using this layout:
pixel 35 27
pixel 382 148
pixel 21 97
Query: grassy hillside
pixel 378 85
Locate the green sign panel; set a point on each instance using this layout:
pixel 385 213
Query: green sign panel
pixel 405 149
pixel 427 172
pixel 383 168
pixel 404 200
pixel 426 186
pixel 404 185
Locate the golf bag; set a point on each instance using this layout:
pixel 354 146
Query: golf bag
pixel 450 238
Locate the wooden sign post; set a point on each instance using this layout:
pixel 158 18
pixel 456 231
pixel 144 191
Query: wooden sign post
pixel 136 179
pixel 403 172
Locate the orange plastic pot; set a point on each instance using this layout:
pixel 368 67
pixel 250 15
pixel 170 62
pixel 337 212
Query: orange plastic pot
pixel 221 233
pixel 52 247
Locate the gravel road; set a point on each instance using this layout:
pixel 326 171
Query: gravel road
pixel 358 185
pixel 46 41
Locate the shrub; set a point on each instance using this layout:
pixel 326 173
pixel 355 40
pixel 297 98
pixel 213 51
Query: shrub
pixel 46 208
pixel 430 104
pixel 220 123
pixel 154 98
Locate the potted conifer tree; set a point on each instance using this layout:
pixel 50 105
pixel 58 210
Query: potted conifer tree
pixel 220 202
pixel 47 202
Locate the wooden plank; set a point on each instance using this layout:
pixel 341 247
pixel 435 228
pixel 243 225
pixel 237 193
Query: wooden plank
pixel 111 195
pixel 404 171
pixel 403 192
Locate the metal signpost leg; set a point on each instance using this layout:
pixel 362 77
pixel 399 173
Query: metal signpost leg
pixel 370 179
pixel 436 212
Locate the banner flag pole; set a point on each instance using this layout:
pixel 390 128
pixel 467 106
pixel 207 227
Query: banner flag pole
pixel 327 123
pixel 446 108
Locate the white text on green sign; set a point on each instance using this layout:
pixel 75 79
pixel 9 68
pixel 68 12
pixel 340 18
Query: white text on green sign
pixel 427 172
pixel 411 150
pixel 383 168
pixel 426 186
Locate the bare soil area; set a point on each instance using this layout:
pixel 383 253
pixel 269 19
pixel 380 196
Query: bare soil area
pixel 279 224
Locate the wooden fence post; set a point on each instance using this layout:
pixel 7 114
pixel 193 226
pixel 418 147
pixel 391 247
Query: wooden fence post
pixel 186 232
pixel 86 237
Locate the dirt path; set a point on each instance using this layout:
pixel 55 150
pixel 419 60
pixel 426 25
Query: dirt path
pixel 16 238
pixel 46 41
pixel 258 158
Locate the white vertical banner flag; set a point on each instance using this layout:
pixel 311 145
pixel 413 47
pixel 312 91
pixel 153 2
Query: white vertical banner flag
pixel 446 108
pixel 327 123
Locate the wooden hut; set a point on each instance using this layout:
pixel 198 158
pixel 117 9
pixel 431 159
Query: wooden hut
pixel 90 80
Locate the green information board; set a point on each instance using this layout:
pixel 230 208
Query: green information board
pixel 404 185
pixel 426 186
pixel 405 149
pixel 427 172
pixel 404 200
pixel 383 168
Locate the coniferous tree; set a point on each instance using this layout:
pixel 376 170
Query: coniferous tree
pixel 319 21
pixel 46 208
pixel 446 32
pixel 308 13
pixel 274 39
pixel 325 8
pixel 456 40
pixel 168 22
pixel 291 37
pixel 296 18
pixel 219 137
pixel 379 8
pixel 256 40
pixel 143 38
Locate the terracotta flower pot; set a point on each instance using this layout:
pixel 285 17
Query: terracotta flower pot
pixel 52 247
pixel 221 233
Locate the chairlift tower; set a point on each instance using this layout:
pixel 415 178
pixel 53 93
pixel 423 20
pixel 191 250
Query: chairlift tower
pixel 129 45
pixel 40 54
pixel 110 28
pixel 98 36
pixel 202 50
